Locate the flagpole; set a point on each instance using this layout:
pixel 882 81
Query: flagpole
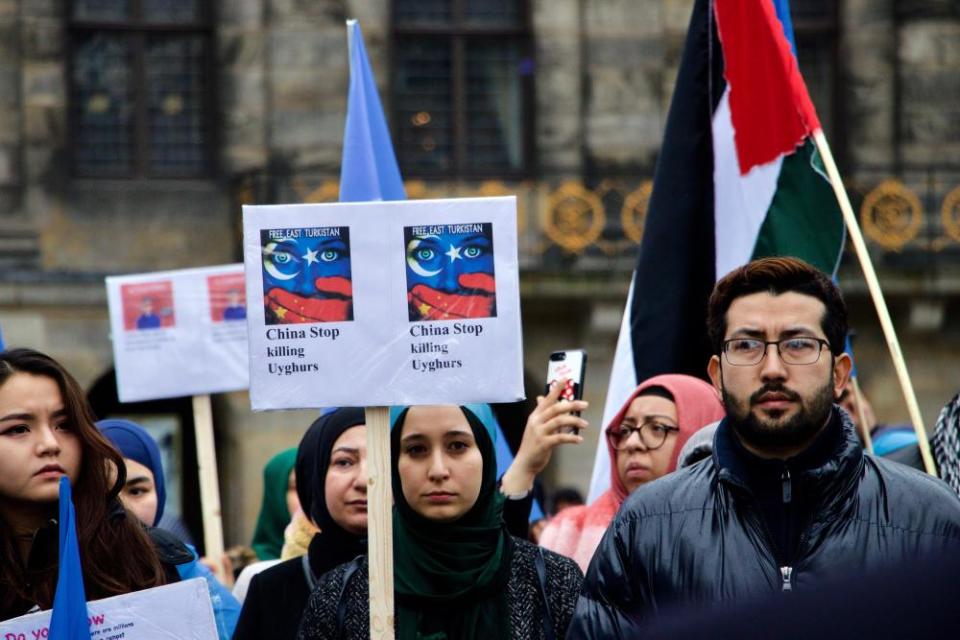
pixel 873 284
pixel 862 426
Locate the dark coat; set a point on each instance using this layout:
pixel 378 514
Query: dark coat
pixel 277 596
pixel 524 598
pixel 696 536
pixel 274 603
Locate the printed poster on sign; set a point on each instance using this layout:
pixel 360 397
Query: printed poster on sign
pixel 179 333
pixel 180 610
pixel 228 300
pixel 147 305
pixel 380 303
pixel 450 274
pixel 306 275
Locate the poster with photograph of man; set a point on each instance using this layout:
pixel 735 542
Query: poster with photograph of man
pixel 228 301
pixel 306 275
pixel 200 349
pixel 450 272
pixel 147 305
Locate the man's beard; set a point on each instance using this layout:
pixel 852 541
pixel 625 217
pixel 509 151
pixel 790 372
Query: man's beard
pixel 766 433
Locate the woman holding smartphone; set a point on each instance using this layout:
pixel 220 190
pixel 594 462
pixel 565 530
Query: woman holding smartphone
pixel 47 432
pixel 643 440
pixel 460 574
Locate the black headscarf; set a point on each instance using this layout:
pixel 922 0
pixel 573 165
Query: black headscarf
pixel 334 545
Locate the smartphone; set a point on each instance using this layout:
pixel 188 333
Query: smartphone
pixel 572 366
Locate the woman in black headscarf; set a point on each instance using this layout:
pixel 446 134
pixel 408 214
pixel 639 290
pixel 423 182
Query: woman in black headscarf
pixel 332 488
pixel 458 574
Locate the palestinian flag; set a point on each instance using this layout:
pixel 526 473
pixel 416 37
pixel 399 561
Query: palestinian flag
pixel 738 178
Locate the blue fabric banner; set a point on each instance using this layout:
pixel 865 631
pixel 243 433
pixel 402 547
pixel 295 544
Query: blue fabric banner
pixel 69 620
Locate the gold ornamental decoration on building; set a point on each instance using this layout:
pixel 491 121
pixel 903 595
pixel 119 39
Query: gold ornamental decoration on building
pixel 574 217
pixel 891 215
pixel 633 214
pixel 950 214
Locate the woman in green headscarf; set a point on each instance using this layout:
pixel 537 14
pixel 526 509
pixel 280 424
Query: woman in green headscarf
pixel 457 572
pixel 279 493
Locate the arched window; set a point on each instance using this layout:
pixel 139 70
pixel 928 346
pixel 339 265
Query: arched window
pixel 139 78
pixel 462 87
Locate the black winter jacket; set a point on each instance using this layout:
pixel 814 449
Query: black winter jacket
pixel 525 598
pixel 696 536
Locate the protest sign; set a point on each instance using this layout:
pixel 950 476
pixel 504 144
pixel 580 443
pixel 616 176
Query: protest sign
pixel 383 303
pixel 181 610
pixel 179 333
pixel 183 333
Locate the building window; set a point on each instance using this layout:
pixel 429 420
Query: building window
pixel 139 78
pixel 462 87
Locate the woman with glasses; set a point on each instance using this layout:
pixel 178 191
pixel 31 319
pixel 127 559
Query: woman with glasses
pixel 643 440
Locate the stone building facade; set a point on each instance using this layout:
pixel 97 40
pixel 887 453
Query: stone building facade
pixel 256 91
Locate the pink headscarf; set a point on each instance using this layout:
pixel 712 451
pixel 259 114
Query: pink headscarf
pixel 576 531
pixel 697 406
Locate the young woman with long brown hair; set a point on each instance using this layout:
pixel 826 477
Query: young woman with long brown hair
pixel 46 432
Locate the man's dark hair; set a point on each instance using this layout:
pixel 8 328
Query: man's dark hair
pixel 777 276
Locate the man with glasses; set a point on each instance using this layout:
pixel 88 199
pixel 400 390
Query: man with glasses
pixel 788 497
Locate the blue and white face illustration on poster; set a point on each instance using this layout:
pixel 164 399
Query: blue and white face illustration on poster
pixel 450 272
pixel 306 275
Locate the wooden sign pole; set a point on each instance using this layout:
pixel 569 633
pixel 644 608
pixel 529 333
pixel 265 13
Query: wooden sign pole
pixel 379 523
pixel 861 415
pixel 209 485
pixel 873 284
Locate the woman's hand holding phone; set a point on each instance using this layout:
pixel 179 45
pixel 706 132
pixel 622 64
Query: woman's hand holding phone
pixel 550 425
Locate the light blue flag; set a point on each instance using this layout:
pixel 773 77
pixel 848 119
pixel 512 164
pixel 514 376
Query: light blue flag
pixel 69 620
pixel 2 346
pixel 368 167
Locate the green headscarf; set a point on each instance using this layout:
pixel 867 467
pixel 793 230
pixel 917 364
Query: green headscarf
pixel 450 577
pixel 274 515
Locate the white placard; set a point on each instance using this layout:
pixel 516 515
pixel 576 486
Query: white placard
pixel 383 303
pixel 181 610
pixel 179 333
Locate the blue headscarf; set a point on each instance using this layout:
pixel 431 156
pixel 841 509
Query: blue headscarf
pixel 135 443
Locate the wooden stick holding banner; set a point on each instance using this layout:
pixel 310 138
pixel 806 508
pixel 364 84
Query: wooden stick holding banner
pixel 873 284
pixel 379 523
pixel 209 485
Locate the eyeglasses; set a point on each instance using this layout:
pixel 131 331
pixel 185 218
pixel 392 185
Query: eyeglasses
pixel 652 434
pixel 744 352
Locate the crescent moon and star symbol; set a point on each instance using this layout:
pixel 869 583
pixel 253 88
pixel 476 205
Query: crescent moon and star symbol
pixel 310 257
pixel 453 253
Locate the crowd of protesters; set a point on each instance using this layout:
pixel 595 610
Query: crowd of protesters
pixel 723 496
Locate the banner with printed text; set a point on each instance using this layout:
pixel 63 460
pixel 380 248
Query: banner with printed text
pixel 179 333
pixel 380 303
pixel 181 610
